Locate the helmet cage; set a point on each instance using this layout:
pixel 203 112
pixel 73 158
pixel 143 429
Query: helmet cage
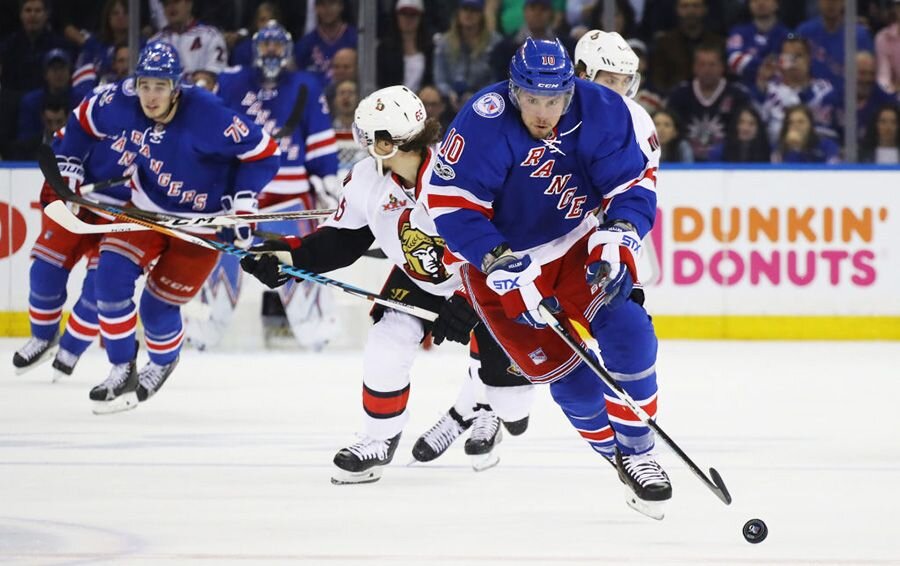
pixel 272 65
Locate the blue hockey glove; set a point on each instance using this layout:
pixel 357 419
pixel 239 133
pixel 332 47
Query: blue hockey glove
pixel 612 251
pixel 518 282
pixel 243 202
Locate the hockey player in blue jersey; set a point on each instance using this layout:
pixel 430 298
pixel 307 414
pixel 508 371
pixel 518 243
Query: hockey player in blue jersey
pixel 271 95
pixel 54 254
pixel 522 167
pixel 192 156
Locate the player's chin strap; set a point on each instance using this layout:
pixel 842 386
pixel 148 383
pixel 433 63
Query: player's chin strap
pixel 379 159
pixel 716 485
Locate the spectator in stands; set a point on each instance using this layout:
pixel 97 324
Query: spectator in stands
pixel 315 49
pixel 343 65
pixel 119 68
pixel 54 112
pixel 788 83
pixel 240 42
pixel 882 142
pixel 745 140
pixel 673 53
pixel 707 103
pixel 869 97
pixel 462 54
pixel 646 95
pixel 435 105
pixel 343 97
pixel 22 54
pixel 512 16
pixel 825 34
pixel 750 43
pixel 537 24
pixel 57 83
pixel 409 38
pixel 798 141
pixel 201 47
pixel 887 52
pixel 98 49
pixel 625 19
pixel 673 147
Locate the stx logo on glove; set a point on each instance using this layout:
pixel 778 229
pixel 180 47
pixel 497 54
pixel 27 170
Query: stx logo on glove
pixel 631 243
pixel 506 284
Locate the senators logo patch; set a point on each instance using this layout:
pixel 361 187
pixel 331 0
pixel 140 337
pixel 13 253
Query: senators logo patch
pixel 423 252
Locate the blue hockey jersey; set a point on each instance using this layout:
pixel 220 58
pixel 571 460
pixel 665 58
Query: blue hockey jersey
pixel 494 183
pixel 311 149
pixel 747 47
pixel 184 167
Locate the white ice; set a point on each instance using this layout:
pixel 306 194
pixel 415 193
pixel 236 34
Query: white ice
pixel 230 464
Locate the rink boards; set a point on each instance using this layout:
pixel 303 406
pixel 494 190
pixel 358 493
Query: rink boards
pixel 752 252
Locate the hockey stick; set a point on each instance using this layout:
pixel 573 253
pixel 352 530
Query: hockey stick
pixel 296 113
pixel 47 164
pixel 716 485
pixel 100 185
pixel 60 213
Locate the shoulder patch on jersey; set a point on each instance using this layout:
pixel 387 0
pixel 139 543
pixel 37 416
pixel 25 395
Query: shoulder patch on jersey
pixel 443 170
pixel 489 105
pixel 128 87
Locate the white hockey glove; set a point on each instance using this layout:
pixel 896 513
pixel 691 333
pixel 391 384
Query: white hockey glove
pixel 612 252
pixel 518 282
pixel 243 202
pixel 327 189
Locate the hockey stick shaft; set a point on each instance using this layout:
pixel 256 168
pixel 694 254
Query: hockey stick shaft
pixel 296 114
pixel 715 484
pixel 100 185
pixel 61 214
pixel 47 163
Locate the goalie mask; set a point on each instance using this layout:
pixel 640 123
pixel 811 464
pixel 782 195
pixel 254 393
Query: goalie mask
pixel 394 113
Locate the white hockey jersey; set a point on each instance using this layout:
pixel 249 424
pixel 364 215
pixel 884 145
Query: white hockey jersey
pixel 200 47
pixel 401 225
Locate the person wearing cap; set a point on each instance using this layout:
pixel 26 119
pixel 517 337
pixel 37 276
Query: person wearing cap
pixel 537 23
pixel 462 54
pixel 22 54
pixel 887 53
pixel 408 37
pixel 57 67
pixel 314 50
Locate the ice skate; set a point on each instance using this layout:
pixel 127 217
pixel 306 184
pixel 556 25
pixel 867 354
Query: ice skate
pixel 482 443
pixel 117 393
pixel 63 364
pixel 34 353
pixel 152 377
pixel 647 485
pixel 439 437
pixel 516 428
pixel 363 461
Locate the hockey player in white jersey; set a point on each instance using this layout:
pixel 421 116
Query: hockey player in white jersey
pixel 379 204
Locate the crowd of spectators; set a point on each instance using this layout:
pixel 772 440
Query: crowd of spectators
pixel 725 80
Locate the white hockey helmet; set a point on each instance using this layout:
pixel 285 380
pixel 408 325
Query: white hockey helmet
pixel 394 110
pixel 608 51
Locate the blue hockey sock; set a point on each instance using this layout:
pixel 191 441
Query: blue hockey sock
pixel 163 330
pixel 46 298
pixel 83 325
pixel 114 284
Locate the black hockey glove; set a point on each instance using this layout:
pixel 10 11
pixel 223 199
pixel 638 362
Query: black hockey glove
pixel 455 321
pixel 266 266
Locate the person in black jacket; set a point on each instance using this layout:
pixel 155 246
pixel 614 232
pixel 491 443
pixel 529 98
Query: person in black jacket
pixel 405 55
pixel 22 54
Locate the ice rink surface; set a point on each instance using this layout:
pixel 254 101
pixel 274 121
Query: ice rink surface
pixel 230 464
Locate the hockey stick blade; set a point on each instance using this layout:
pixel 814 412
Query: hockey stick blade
pixel 47 163
pixel 60 213
pixel 716 484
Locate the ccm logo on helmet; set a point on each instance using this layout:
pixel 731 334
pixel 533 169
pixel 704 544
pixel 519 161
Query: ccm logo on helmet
pixel 548 85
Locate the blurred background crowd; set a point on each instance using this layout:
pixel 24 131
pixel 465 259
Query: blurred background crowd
pixel 751 81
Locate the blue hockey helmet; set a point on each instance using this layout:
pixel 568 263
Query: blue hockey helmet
pixel 271 62
pixel 541 67
pixel 159 60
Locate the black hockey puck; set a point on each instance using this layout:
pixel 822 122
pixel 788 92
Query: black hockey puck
pixel 755 531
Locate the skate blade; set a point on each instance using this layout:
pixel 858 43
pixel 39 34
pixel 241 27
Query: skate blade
pixel 124 402
pixel 343 477
pixel 59 375
pixel 45 357
pixel 482 462
pixel 653 509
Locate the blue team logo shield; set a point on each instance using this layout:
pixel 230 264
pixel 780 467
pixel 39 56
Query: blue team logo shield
pixel 489 105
